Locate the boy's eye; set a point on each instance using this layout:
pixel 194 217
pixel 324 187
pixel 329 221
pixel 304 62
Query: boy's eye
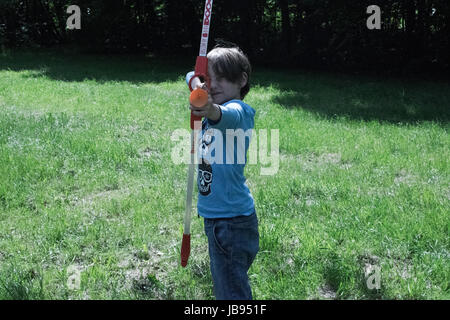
pixel 219 78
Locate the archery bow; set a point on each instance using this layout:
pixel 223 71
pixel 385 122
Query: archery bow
pixel 197 98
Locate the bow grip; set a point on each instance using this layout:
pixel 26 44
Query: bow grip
pixel 200 71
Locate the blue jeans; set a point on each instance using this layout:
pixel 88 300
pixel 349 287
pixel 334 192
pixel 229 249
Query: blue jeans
pixel 233 244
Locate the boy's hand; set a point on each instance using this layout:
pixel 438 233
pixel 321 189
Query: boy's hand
pixel 209 110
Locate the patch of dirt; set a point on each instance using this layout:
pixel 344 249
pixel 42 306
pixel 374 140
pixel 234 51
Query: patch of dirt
pixel 404 177
pixel 331 158
pixel 148 153
pixel 326 292
pixel 102 195
pixel 146 272
pixel 313 160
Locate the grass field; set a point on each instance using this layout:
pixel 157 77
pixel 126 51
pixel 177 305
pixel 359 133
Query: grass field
pixel 87 185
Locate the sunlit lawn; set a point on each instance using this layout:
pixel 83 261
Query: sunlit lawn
pixel 88 186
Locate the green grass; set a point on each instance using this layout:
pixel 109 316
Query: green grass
pixel 87 183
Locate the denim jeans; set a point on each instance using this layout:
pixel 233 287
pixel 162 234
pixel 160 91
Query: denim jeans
pixel 233 244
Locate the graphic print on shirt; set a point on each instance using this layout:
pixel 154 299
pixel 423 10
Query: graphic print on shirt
pixel 205 174
pixel 205 177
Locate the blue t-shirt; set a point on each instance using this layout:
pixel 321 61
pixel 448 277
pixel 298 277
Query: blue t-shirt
pixel 222 153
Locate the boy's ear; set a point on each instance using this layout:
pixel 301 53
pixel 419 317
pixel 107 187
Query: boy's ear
pixel 244 79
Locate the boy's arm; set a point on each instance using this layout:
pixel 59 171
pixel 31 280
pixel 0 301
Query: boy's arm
pixel 215 115
pixel 230 116
pixel 221 117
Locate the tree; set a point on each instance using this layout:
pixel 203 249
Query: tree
pixel 313 33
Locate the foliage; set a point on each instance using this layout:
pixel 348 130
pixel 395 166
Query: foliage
pixel 320 33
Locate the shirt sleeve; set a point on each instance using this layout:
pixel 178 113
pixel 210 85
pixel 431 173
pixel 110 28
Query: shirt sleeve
pixel 231 115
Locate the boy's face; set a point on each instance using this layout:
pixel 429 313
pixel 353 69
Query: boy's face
pixel 222 90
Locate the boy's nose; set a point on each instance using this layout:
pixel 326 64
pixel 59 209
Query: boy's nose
pixel 212 84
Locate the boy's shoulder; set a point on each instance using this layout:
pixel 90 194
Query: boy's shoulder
pixel 234 114
pixel 239 104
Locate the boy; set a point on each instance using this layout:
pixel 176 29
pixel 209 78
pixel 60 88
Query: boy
pixel 224 199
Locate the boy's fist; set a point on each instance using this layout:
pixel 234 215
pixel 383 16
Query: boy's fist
pixel 208 110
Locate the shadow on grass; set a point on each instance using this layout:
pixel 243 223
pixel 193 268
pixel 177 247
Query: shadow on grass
pixel 332 96
pixel 17 283
pixel 342 277
pixel 64 65
pixel 364 98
